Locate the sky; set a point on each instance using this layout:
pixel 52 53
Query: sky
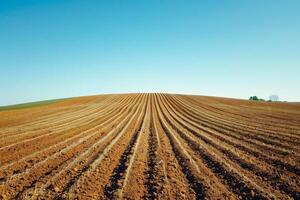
pixel 236 48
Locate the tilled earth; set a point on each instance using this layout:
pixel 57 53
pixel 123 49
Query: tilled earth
pixel 151 146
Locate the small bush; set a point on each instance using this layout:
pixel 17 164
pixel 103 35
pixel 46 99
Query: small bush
pixel 255 98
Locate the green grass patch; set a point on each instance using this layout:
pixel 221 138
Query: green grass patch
pixel 30 105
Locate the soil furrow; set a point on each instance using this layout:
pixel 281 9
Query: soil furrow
pixel 151 146
pixel 275 180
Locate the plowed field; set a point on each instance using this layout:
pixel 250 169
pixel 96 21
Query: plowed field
pixel 151 146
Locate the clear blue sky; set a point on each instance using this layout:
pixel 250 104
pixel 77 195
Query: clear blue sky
pixel 53 48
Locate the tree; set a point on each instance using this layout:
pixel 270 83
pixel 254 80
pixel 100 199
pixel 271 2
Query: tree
pixel 274 98
pixel 253 98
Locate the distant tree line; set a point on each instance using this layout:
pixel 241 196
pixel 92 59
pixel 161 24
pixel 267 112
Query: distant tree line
pixel 255 98
pixel 271 98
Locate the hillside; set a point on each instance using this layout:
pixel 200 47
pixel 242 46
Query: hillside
pixel 138 146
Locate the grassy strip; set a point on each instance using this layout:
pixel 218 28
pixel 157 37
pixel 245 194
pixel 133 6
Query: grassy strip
pixel 30 105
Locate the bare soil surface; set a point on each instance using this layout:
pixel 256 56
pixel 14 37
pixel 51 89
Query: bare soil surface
pixel 151 146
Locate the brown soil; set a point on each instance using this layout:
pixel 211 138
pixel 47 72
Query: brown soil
pixel 151 146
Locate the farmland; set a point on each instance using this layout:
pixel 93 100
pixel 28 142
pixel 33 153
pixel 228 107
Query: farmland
pixel 151 146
